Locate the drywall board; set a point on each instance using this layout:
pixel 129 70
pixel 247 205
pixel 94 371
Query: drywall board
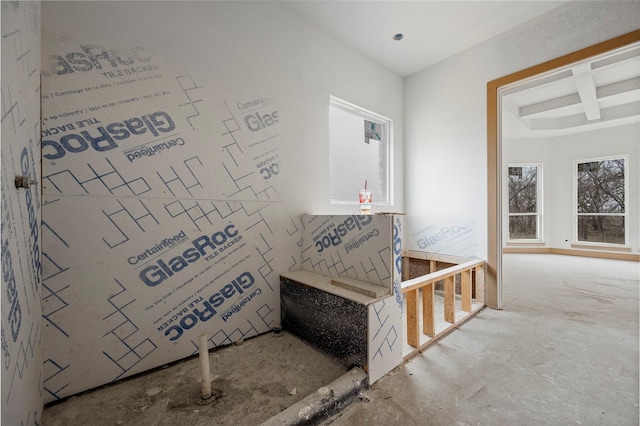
pixel 397 243
pixel 385 333
pixel 124 109
pixel 21 371
pixel 356 246
pixel 160 214
pixel 453 236
pixel 385 337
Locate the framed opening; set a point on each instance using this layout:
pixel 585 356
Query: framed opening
pixel 493 275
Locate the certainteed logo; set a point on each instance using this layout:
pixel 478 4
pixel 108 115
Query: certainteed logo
pixel 157 248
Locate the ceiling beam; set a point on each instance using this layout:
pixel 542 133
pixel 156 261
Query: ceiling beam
pixel 549 105
pixel 618 88
pixel 574 121
pixel 586 86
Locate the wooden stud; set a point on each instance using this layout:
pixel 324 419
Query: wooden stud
pixel 465 290
pixel 406 268
pixel 413 319
pixel 480 284
pixel 446 258
pixel 428 311
pixel 449 300
pixel 437 276
pixel 472 278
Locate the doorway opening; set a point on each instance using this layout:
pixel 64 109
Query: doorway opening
pixel 495 166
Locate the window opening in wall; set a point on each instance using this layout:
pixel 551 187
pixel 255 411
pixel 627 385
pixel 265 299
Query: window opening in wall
pixel 360 151
pixel 525 195
pixel 601 187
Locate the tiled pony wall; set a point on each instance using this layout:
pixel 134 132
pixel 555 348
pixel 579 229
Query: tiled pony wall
pixel 160 207
pixel 22 327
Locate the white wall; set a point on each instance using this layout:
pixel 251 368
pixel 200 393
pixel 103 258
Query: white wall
pixel 445 106
pixel 619 141
pixel 22 327
pixel 234 52
pixel 557 156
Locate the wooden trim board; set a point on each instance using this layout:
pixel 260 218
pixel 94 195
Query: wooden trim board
pixel 633 257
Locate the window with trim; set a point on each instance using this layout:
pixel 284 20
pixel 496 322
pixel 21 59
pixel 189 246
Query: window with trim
pixel 600 194
pixel 525 195
pixel 360 151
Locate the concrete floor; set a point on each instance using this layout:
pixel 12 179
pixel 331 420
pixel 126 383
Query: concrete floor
pixel 252 383
pixel 564 351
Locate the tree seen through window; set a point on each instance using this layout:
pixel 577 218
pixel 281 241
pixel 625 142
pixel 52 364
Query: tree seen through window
pixel 524 217
pixel 600 201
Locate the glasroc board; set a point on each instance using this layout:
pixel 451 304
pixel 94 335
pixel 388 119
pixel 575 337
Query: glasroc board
pixel 159 207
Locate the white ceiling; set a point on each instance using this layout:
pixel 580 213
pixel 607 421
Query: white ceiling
pixel 433 30
pixel 577 100
pixel 597 93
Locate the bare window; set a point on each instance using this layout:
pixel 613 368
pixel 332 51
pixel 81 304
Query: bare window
pixel 360 151
pixel 524 202
pixel 600 201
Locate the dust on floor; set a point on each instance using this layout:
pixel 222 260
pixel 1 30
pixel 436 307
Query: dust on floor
pixel 251 382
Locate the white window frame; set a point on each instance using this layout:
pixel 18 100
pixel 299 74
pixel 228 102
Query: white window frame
pixel 578 242
pixel 385 199
pixel 539 205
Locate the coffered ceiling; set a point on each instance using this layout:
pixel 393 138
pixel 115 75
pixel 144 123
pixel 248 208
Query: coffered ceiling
pixel 601 92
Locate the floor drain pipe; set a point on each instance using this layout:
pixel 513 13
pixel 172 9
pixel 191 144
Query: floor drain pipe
pixel 205 372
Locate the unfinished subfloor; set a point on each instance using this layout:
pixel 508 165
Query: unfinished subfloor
pixel 253 381
pixel 564 351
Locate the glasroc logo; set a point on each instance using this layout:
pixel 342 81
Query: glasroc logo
pixel 205 246
pixel 187 317
pixel 332 235
pixel 93 57
pixel 103 138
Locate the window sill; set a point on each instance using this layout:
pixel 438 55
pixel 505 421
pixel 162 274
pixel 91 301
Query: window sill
pixel 530 243
pixel 601 247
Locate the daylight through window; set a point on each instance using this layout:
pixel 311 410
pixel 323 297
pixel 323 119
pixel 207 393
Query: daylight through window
pixel 600 201
pixel 360 151
pixel 524 202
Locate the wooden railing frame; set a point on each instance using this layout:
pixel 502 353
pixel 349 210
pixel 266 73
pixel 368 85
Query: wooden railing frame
pixel 471 274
